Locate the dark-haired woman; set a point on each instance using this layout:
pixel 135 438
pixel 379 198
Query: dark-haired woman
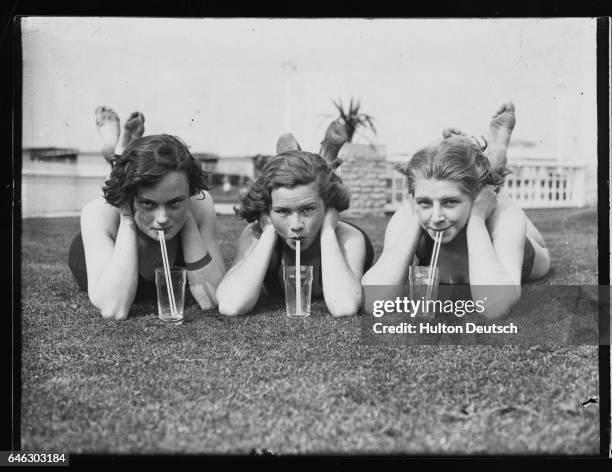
pixel 155 185
pixel 487 240
pixel 297 195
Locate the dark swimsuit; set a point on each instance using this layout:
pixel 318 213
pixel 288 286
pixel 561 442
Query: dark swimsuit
pixel 273 281
pixel 528 256
pixel 146 288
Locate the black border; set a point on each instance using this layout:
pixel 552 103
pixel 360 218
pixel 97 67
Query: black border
pixel 10 48
pixel 17 133
pixel 337 8
pixel 603 222
pixel 9 231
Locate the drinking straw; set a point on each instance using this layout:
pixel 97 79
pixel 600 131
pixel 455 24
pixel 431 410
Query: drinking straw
pixel 433 263
pixel 298 278
pixel 164 251
pixel 434 257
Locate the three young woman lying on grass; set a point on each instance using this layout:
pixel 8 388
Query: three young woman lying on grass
pixel 453 187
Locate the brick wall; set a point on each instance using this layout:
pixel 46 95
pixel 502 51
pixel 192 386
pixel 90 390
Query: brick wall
pixel 363 173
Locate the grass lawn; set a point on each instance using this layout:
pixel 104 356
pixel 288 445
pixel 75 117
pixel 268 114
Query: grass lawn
pixel 219 385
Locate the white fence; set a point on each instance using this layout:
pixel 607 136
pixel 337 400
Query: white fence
pixel 532 184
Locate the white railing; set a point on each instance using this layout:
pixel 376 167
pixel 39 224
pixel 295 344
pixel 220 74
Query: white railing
pixel 532 184
pixel 537 184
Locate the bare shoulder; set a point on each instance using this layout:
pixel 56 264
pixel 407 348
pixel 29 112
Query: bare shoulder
pixel 203 211
pixel 202 204
pixel 98 206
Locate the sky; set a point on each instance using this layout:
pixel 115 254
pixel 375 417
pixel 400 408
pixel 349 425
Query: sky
pixel 233 86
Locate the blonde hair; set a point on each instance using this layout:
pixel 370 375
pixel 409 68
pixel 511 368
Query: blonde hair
pixel 459 159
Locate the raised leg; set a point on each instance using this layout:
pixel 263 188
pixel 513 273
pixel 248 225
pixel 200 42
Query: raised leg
pixel 500 130
pixel 133 128
pixel 334 139
pixel 107 123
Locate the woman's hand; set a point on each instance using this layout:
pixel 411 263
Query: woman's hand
pixel 414 230
pixel 265 222
pixel 484 203
pixel 331 219
pixel 126 211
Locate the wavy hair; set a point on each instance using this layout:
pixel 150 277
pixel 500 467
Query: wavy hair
pixel 458 159
pixel 145 162
pixel 290 169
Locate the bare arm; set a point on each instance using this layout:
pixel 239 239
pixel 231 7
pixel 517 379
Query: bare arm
pixel 199 237
pixel 401 241
pixel 495 240
pixel 112 265
pixel 239 291
pixel 342 259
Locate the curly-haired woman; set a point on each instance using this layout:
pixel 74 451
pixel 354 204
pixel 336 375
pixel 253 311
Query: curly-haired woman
pixel 155 185
pixel 297 195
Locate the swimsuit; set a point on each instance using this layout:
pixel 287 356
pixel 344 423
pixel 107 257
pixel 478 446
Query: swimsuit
pixel 146 288
pixel 528 256
pixel 273 280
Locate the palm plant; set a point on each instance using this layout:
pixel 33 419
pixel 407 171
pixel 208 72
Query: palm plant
pixel 353 119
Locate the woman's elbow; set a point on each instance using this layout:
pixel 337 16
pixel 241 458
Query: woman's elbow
pixel 114 313
pixel 110 309
pixel 495 313
pixel 207 305
pixel 229 306
pixel 346 308
pixel 232 309
pixel 497 308
pixel 205 296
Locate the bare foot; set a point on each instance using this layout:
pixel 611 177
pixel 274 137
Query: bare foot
pixel 287 142
pixel 448 132
pixel 500 130
pixel 133 128
pixel 107 122
pixel 334 139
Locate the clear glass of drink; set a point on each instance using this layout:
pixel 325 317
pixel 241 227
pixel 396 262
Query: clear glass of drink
pixel 178 277
pixel 423 289
pixel 304 293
